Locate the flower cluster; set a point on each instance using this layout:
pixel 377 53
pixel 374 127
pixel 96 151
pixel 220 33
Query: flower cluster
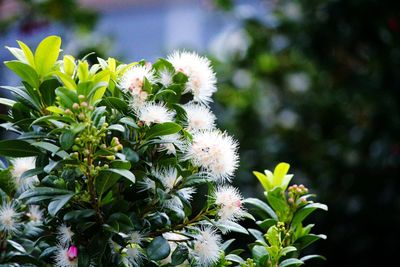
pixel 111 160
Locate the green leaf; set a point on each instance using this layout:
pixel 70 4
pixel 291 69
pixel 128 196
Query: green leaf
pixel 116 127
pixel 116 103
pixel 158 249
pixel 309 257
pixel 228 226
pixel 55 150
pixel 179 255
pixel 67 139
pixel 307 240
pixel 267 223
pixel 28 54
pixel 57 203
pixel 129 121
pixel 291 262
pixel 46 54
pixel 26 72
pixel 105 180
pixel 67 97
pixel 124 173
pixel 163 129
pixel 47 91
pixel 17 148
pixel 277 200
pixel 43 191
pixel 262 207
pixel 78 215
pixel 7 102
pixel 302 213
pixel 234 258
pixel 66 80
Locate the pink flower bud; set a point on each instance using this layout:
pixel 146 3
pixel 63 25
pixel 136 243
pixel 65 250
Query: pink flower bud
pixel 72 253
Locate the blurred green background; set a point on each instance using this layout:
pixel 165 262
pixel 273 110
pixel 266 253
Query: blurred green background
pixel 315 83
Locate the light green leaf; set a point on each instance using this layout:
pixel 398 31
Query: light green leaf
pixel 7 102
pixel 46 54
pixel 26 72
pixel 28 54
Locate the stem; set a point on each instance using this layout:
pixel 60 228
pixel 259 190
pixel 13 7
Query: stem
pixel 180 226
pixel 91 189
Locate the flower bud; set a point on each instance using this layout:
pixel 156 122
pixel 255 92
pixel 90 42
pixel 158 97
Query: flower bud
pixel 84 104
pixel 75 106
pixel 72 253
pixel 110 157
pixel 81 97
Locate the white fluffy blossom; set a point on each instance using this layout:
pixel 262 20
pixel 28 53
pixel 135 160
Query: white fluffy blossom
pixel 132 81
pixel 35 214
pixel 199 117
pixel 146 184
pixel 19 166
pixel 136 237
pixel 202 80
pixel 152 112
pixel 64 234
pixel 206 247
pixel 62 259
pixel 170 143
pixel 215 152
pixel 187 193
pixel 8 218
pixel 165 77
pixel 134 255
pixel 167 176
pixel 230 204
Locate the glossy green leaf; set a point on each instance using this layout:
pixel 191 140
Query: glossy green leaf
pixel 163 129
pixel 179 255
pixel 291 263
pixel 124 173
pixel 303 212
pixel 158 249
pixel 7 102
pixel 17 148
pixel 262 208
pixel 58 203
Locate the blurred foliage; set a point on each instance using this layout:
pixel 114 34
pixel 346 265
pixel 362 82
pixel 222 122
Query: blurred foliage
pixel 33 14
pixel 320 79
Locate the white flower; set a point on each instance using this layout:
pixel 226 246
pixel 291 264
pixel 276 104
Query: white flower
pixel 215 153
pixel 202 80
pixel 151 113
pixel 146 184
pixel 8 218
pixel 187 193
pixel 64 234
pixel 206 247
pixel 133 78
pixel 134 255
pixel 21 165
pixel 132 81
pixel 167 176
pixel 229 201
pixel 165 77
pixel 62 259
pixel 136 238
pixel 35 214
pixel 199 117
pixel 170 143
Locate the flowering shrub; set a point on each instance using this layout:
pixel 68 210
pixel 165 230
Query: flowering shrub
pixel 108 160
